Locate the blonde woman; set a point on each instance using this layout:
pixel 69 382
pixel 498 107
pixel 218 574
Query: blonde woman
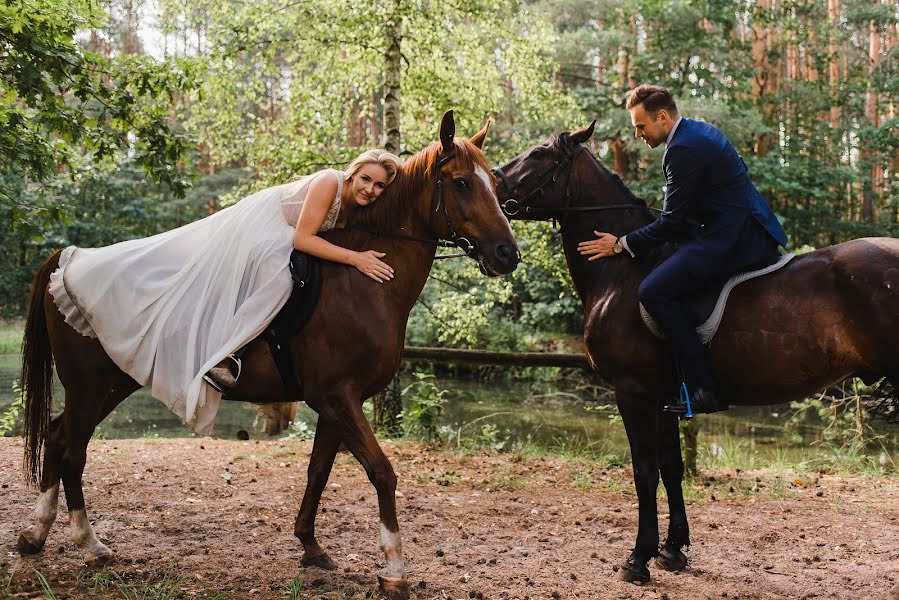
pixel 172 308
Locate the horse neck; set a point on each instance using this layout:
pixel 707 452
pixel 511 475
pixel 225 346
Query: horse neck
pixel 596 279
pixel 412 260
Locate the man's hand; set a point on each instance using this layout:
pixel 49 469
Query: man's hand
pixel 601 247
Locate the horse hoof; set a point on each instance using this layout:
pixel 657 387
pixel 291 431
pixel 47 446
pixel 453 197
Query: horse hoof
pixel 630 573
pixel 671 559
pixel 321 561
pixel 393 588
pixel 25 545
pixel 100 560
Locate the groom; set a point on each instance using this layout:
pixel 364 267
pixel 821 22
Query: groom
pixel 719 222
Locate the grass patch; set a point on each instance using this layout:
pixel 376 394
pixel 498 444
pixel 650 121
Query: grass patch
pixel 295 588
pixel 49 594
pixel 165 588
pixel 507 481
pixel 5 579
pixel 581 481
pixel 11 333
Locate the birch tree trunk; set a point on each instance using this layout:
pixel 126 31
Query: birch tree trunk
pixel 392 77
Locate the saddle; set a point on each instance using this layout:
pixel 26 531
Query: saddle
pixel 305 271
pixel 707 307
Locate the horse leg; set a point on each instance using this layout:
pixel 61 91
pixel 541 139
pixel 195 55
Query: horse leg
pixel 81 418
pixel 641 414
pixel 357 435
pixel 324 449
pixel 671 463
pixel 32 538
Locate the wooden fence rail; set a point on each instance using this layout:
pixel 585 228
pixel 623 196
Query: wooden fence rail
pixel 484 357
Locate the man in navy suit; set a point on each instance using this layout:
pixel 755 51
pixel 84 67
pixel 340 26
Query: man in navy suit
pixel 719 222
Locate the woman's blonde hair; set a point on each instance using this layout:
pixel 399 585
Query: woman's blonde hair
pixel 390 162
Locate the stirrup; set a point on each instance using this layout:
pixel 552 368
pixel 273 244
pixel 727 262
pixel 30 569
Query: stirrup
pixel 683 408
pixel 218 386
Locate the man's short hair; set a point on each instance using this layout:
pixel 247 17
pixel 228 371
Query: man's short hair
pixel 653 98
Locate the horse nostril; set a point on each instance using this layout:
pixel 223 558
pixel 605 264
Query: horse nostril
pixel 508 252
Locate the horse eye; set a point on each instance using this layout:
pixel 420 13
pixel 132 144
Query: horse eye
pixel 460 184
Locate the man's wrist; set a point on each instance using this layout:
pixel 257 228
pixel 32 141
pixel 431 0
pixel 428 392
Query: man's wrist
pixel 617 248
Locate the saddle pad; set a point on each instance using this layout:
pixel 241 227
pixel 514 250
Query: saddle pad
pixel 710 325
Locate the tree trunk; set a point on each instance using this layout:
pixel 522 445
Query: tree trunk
pixel 392 77
pixel 620 158
pixel 387 408
pixel 833 17
pixel 764 80
pixel 871 187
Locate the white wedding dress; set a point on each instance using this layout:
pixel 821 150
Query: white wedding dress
pixel 167 308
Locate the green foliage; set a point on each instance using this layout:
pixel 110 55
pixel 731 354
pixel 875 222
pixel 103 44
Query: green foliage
pixel 9 420
pixel 423 405
pixel 56 98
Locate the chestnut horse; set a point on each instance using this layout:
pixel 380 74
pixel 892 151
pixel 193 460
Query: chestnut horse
pixel 349 350
pixel 828 315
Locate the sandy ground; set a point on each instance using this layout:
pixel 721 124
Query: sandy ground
pixel 202 518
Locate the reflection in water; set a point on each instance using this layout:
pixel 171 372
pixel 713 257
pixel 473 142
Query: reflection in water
pixel 507 414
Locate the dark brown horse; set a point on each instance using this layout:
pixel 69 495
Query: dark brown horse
pixel 828 315
pixel 349 350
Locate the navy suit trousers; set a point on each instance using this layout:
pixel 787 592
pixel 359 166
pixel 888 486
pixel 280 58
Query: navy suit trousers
pixel 667 287
pixel 662 294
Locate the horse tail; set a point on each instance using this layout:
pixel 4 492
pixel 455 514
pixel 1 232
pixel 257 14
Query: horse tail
pixel 37 371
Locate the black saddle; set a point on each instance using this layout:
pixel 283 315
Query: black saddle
pixel 305 271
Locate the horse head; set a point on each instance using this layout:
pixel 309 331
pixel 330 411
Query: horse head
pixel 559 178
pixel 464 194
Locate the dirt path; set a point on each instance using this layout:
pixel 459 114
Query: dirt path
pixel 202 518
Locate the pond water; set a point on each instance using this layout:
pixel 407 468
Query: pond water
pixel 554 415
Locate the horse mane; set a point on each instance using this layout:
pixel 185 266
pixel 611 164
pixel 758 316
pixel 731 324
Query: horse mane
pixel 417 172
pixel 651 259
pixel 560 140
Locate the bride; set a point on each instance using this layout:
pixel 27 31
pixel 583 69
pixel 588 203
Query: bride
pixel 171 309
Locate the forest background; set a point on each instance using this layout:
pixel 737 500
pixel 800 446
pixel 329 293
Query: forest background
pixel 125 118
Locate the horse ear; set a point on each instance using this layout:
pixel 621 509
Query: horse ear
pixel 478 138
pixel 582 135
pixel 447 131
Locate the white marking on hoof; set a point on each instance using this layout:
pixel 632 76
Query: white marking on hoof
pixel 392 546
pixel 43 517
pixel 95 553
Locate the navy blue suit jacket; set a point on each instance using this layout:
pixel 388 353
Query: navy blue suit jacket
pixel 717 217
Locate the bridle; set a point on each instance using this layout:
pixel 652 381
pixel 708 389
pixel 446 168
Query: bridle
pixel 547 177
pixel 469 248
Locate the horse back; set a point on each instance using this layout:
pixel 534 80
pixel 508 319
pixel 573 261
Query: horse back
pixel 827 315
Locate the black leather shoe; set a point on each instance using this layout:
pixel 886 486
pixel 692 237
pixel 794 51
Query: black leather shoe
pixel 703 400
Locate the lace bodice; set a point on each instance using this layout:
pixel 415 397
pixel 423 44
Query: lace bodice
pixel 294 195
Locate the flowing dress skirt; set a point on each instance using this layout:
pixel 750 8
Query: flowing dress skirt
pixel 169 307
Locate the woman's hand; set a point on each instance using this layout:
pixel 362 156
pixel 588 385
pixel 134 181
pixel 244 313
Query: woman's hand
pixel 370 263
